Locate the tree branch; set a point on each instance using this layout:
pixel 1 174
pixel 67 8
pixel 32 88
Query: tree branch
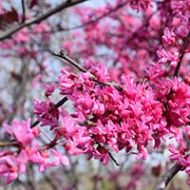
pixel 42 17
pixel 98 18
pixel 182 53
pixel 113 159
pixel 23 11
pixel 7 144
pixel 167 177
pixel 69 60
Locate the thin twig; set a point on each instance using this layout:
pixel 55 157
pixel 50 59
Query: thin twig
pixel 167 177
pixel 64 56
pixel 40 18
pixel 186 42
pixel 7 143
pixel 69 60
pixel 23 11
pixel 113 159
pixel 98 18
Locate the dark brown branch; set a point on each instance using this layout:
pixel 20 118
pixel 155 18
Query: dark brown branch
pixel 113 159
pixel 186 42
pixel 167 177
pixel 92 21
pixel 7 143
pixel 23 11
pixel 40 18
pixel 66 58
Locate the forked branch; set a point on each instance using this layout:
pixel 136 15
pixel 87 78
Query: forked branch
pixel 40 18
pixel 168 176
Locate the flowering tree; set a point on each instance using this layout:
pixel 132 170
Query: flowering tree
pixel 125 84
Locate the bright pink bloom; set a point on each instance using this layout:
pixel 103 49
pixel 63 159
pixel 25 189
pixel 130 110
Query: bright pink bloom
pixel 169 36
pixel 21 131
pixel 11 166
pixel 46 112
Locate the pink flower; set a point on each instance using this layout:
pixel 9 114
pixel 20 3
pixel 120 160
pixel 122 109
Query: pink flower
pixel 22 36
pixel 98 108
pixel 12 166
pixel 66 82
pixel 46 113
pixel 21 131
pixel 98 70
pixel 41 27
pixel 169 36
pixel 77 136
pixel 166 56
pixel 143 4
pixel 68 127
pixel 179 149
pixel 85 102
pixel 49 89
pixel 71 147
pixel 8 169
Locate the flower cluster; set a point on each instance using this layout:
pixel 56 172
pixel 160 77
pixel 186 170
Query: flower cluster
pixel 113 119
pixel 27 150
pixel 180 148
pixel 46 112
